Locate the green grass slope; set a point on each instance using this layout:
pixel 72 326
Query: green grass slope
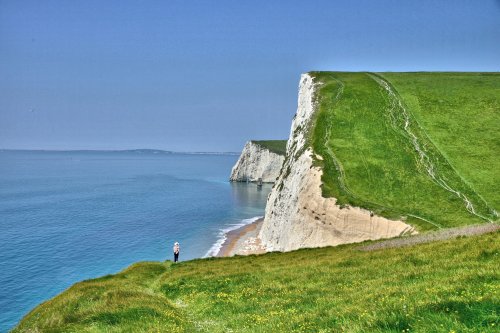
pixel 447 286
pixel 423 146
pixel 276 146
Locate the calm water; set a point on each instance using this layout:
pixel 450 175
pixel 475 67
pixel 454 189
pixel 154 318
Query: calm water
pixel 69 216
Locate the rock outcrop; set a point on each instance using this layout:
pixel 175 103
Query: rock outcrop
pixel 297 215
pixel 256 161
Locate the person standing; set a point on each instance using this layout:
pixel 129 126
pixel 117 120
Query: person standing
pixel 177 249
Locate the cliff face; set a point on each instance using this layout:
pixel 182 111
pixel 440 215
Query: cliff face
pixel 297 215
pixel 256 162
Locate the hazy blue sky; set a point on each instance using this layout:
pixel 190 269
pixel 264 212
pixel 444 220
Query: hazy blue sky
pixel 208 75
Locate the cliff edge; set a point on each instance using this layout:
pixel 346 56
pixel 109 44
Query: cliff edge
pixel 259 159
pixel 297 215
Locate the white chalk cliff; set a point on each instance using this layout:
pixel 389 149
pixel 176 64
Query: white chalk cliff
pixel 297 215
pixel 257 162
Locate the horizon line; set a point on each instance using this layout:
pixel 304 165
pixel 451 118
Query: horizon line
pixel 149 150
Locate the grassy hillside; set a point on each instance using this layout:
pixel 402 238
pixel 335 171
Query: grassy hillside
pixel 276 146
pixel 448 286
pixel 461 113
pixel 419 145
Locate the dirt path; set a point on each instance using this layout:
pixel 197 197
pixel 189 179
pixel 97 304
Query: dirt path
pixel 444 234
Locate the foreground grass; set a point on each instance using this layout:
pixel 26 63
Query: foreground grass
pixel 417 145
pixel 276 146
pixel 448 286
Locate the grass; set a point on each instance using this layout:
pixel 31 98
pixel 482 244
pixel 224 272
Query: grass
pixel 461 112
pixel 275 146
pixel 381 136
pixel 448 286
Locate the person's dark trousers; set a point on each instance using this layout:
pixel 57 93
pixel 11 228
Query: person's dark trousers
pixel 176 257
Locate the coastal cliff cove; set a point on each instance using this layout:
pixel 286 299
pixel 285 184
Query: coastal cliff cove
pixel 232 166
pixel 408 156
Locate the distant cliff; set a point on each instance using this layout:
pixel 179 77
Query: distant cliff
pixel 259 159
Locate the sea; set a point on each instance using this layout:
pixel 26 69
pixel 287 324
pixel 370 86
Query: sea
pixel 67 216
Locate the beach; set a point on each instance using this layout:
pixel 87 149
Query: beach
pixel 242 241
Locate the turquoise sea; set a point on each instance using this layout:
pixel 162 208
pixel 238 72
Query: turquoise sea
pixel 70 216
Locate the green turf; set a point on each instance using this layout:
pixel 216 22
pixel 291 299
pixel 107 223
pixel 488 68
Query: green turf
pixel 276 146
pixel 414 145
pixel 448 286
pixel 461 113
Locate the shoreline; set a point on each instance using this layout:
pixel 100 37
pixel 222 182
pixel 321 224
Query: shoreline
pixel 243 240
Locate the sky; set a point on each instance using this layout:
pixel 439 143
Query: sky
pixel 209 75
